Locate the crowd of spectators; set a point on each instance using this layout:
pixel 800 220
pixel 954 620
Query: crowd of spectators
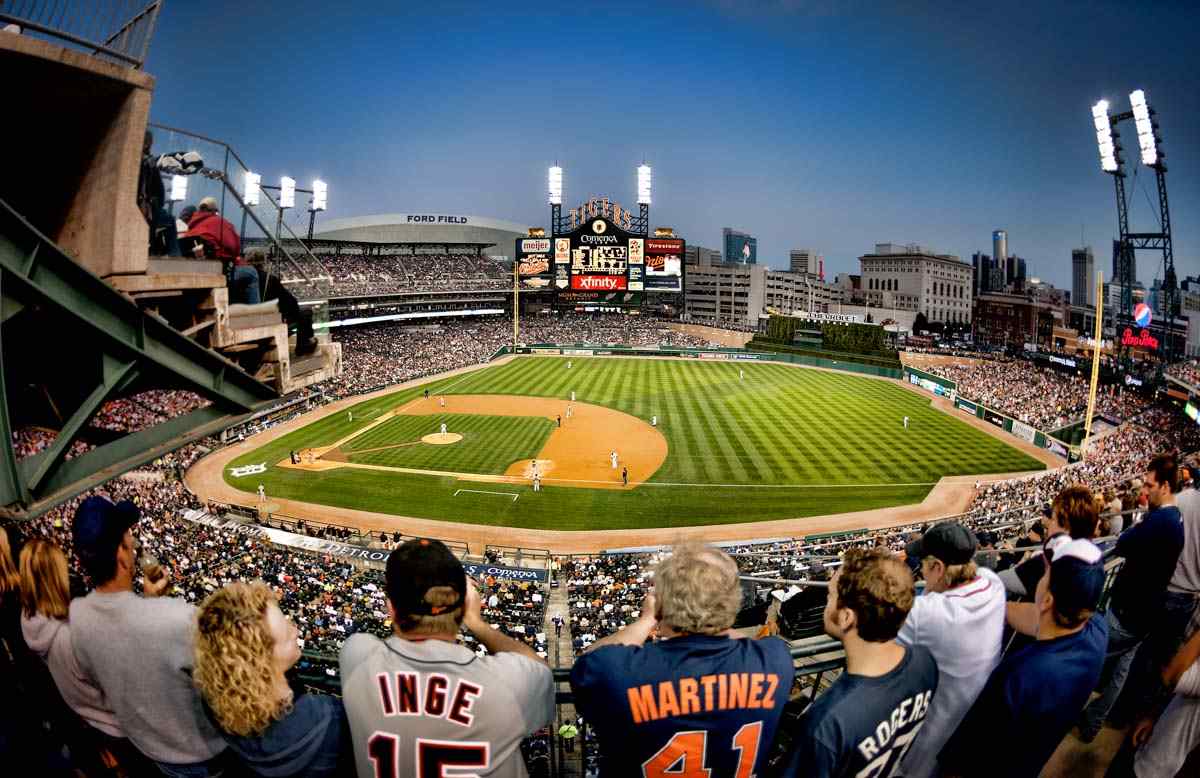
pixel 1043 398
pixel 1187 371
pixel 358 275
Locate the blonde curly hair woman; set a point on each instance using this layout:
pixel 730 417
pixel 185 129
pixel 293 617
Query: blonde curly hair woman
pixel 244 648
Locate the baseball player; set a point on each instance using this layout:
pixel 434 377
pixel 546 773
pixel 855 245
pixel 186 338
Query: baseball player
pixel 570 410
pixel 349 416
pixel 613 456
pixel 442 400
pixel 443 428
pixel 426 394
pixel 568 364
pixel 624 476
pixel 741 374
pixel 420 704
pixel 537 482
pixel 262 493
pixel 697 702
pixel 572 395
pixel 654 421
pixel 558 418
pixel 905 422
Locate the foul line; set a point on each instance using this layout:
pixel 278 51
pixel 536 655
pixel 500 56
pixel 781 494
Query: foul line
pixel 479 491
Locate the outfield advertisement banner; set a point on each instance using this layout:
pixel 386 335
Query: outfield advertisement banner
pixel 577 352
pixel 506 573
pixel 1055 447
pixel 1023 431
pixel 995 419
pixel 966 406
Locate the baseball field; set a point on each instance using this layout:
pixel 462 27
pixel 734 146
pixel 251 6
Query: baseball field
pixel 698 443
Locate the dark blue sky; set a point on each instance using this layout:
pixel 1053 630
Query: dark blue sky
pixel 830 125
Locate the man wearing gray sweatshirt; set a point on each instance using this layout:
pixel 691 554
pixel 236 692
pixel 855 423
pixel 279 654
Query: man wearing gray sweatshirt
pixel 138 650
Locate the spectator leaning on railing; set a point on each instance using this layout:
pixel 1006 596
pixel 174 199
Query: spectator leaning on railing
pixel 701 699
pixel 867 720
pixel 244 647
pixel 439 707
pixel 960 619
pixel 138 650
pixel 1033 697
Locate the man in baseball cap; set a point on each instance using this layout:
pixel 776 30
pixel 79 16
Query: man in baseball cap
pixel 138 649
pixel 1035 694
pixel 960 619
pixel 429 700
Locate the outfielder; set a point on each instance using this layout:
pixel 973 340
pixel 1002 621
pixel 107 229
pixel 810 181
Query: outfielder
pixel 420 704
pixel 700 701
pixel 741 374
pixel 568 364
pixel 349 416
pixel 905 422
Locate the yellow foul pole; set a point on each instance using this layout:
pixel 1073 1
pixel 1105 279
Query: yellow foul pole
pixel 1087 425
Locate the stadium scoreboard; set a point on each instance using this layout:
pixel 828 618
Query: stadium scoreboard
pixel 600 262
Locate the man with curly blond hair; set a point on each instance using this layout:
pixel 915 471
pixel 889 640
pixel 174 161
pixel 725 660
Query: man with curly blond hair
pixel 422 704
pixel 700 700
pixel 244 648
pixel 867 720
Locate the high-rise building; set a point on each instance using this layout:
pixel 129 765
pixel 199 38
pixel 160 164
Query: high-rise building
pixel 1000 251
pixel 981 273
pixel 1116 265
pixel 741 248
pixel 805 261
pixel 699 256
pixel 1083 271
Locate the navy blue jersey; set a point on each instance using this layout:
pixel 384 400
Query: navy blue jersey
pixel 1031 700
pixel 692 705
pixel 862 726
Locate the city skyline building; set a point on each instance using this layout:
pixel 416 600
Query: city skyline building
pixel 1083 273
pixel 741 248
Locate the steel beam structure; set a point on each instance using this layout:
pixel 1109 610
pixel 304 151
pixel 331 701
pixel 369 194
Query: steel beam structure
pixel 93 344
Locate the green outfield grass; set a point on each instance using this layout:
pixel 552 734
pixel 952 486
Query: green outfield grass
pixel 489 445
pixel 785 442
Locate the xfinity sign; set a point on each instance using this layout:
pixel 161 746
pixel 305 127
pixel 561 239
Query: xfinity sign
pixel 421 219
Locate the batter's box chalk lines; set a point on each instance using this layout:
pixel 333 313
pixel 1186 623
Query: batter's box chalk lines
pixel 478 491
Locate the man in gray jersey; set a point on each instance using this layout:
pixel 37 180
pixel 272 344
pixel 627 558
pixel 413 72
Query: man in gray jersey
pixel 421 704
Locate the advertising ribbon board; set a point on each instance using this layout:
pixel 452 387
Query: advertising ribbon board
pixel 501 572
pixel 1023 431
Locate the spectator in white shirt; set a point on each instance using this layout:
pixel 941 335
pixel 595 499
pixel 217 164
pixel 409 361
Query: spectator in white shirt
pixel 960 619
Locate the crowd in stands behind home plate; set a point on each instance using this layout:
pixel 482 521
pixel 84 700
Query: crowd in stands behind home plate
pixel 353 275
pixel 1041 397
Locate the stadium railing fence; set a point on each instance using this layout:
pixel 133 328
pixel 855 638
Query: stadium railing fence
pixel 118 30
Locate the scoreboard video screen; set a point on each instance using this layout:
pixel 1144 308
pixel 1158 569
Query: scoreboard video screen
pixel 599 258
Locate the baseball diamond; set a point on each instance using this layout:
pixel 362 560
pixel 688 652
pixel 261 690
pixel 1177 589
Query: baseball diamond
pixel 785 442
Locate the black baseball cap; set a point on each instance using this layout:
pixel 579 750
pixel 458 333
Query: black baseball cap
pixel 418 566
pixel 98 529
pixel 948 541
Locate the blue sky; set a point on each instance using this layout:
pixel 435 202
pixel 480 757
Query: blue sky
pixel 808 124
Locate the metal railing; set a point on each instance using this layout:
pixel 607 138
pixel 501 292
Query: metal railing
pixel 111 29
pixel 223 179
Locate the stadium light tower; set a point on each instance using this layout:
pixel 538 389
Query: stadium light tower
pixel 287 192
pixel 643 184
pixel 554 188
pixel 251 188
pixel 319 202
pixel 1149 144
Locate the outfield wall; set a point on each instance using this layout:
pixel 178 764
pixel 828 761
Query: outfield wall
pixel 712 354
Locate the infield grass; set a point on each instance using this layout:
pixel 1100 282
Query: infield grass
pixel 784 442
pixel 489 445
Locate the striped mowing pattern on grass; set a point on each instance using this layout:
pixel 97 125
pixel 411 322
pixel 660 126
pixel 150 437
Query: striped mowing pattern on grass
pixel 785 442
pixel 489 445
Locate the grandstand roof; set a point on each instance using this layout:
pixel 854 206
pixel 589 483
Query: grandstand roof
pixel 457 229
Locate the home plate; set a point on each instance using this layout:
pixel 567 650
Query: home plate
pixel 442 438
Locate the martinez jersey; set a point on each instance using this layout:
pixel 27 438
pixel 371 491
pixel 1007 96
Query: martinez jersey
pixel 691 705
pixel 428 709
pixel 862 726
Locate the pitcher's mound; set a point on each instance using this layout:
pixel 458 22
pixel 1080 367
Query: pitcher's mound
pixel 442 439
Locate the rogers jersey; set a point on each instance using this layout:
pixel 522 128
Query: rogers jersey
pixel 692 705
pixel 429 709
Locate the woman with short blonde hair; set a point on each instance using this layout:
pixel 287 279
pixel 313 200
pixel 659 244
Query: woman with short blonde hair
pixel 244 648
